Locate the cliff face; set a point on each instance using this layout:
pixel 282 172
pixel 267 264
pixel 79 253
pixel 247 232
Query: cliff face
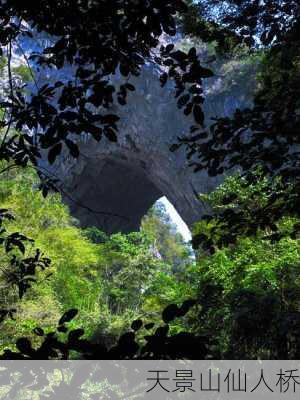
pixel 114 184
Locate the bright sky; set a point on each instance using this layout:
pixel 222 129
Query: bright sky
pixel 176 219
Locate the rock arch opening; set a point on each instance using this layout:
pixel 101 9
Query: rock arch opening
pixel 115 191
pixel 175 218
pixel 114 194
pixel 114 184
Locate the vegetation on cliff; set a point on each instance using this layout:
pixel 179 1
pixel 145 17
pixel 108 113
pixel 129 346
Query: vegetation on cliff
pixel 239 298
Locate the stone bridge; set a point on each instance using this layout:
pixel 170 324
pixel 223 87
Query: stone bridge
pixel 112 185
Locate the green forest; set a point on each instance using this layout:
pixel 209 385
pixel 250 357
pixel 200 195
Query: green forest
pixel 246 294
pixel 233 292
pixel 110 280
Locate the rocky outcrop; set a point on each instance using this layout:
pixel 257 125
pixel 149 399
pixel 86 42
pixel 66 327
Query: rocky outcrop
pixel 112 185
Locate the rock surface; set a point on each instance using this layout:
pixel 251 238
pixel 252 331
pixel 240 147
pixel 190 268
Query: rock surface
pixel 112 185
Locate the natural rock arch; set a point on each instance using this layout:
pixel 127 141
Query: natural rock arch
pixel 112 185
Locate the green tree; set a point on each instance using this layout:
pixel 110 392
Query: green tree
pixel 111 280
pixel 166 240
pixel 249 293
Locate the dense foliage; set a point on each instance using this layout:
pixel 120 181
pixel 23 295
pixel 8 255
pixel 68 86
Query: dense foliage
pixel 265 135
pixel 110 280
pixel 247 296
pixel 244 281
pixel 249 291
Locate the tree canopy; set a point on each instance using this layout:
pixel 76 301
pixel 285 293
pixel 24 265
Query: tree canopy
pixel 259 209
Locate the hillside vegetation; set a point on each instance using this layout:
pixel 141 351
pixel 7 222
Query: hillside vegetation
pixel 246 294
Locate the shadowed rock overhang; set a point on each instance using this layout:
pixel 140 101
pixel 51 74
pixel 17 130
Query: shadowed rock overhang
pixel 112 185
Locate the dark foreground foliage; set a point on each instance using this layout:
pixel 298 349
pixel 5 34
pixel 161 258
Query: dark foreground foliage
pixel 267 134
pixel 145 341
pixel 100 38
pixel 159 345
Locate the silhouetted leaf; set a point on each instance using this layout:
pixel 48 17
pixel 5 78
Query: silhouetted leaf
pixel 54 152
pixel 170 313
pixel 198 114
pixel 73 147
pixel 110 134
pixel 38 331
pixel 163 79
pixel 137 324
pixel 149 326
pixel 24 346
pixel 68 316
pixel 75 334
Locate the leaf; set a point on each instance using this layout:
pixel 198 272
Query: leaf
pixel 110 134
pixel 198 114
pixel 149 326
pixel 187 304
pixel 97 134
pixel 198 100
pixel 24 346
pixel 162 331
pixel 192 53
pixel 169 48
pixel 54 152
pixel 20 246
pixel 121 100
pixel 174 147
pixel 179 56
pixel 137 324
pixel 75 334
pixel 69 115
pixel 170 313
pixel 188 109
pixel 68 316
pixel 59 45
pixel 62 328
pixel 130 87
pixel 182 101
pixel 38 331
pixel 163 79
pixel 74 151
pixel 58 84
pixel 124 69
pixel 206 73
pixel 110 119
